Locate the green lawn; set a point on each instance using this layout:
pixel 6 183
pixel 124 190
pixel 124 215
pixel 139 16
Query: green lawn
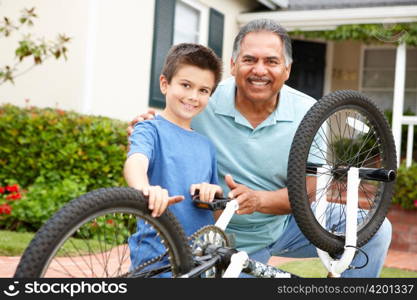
pixel 14 244
pixel 314 269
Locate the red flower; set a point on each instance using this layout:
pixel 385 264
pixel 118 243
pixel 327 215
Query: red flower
pixel 110 221
pixel 12 188
pixel 60 111
pixel 5 209
pixel 415 203
pixel 2 190
pixel 14 196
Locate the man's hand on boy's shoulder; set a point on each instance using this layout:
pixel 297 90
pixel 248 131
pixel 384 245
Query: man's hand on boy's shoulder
pixel 140 118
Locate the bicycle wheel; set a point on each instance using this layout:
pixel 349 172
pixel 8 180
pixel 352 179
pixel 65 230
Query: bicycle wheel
pixel 89 238
pixel 344 129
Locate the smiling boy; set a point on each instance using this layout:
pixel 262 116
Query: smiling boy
pixel 168 161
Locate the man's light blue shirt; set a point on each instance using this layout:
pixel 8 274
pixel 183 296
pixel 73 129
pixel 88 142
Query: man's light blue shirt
pixel 257 157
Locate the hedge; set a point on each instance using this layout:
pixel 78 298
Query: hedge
pixel 56 155
pixel 405 192
pixel 55 144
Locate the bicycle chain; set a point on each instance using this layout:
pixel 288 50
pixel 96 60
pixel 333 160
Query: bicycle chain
pixel 151 261
pixel 223 241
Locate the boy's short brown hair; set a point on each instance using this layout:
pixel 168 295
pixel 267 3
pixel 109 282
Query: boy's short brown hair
pixel 195 55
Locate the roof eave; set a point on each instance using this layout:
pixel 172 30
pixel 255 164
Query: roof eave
pixel 328 19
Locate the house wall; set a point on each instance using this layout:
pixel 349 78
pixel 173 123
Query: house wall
pixel 231 9
pixel 54 81
pixel 346 65
pixel 109 56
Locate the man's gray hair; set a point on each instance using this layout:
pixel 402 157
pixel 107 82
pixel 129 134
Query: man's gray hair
pixel 264 25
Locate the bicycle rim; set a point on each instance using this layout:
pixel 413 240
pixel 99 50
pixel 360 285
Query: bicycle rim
pixel 92 240
pixel 343 130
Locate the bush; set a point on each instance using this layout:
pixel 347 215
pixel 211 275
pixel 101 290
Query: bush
pixel 55 144
pixel 40 202
pixel 405 192
pixel 56 156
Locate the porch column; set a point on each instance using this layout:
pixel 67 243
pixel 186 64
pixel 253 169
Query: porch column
pixel 398 104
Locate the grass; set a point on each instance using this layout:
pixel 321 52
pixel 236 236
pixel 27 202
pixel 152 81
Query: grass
pixel 14 244
pixel 313 268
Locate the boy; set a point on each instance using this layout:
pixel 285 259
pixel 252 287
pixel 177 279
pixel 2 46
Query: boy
pixel 168 161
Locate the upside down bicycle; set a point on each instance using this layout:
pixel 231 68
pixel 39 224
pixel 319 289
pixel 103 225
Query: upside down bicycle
pixel 344 142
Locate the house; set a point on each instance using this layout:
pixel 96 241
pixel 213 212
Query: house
pixel 118 47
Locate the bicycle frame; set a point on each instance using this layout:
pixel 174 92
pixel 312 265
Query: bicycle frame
pixel 337 266
pixel 239 261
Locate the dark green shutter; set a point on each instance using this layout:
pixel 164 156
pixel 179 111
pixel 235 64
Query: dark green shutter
pixel 162 41
pixel 216 25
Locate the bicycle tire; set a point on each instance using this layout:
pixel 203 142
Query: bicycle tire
pixel 326 113
pixel 91 213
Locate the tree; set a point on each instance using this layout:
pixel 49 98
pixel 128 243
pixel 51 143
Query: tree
pixel 29 47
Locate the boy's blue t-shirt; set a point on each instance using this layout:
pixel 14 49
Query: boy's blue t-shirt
pixel 177 159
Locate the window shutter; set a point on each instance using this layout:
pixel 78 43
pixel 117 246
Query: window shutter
pixel 162 41
pixel 215 39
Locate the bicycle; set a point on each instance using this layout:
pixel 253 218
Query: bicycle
pixel 344 143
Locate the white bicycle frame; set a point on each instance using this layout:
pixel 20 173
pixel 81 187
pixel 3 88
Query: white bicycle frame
pixel 335 267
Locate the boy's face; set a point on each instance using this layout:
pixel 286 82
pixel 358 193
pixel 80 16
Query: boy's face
pixel 188 92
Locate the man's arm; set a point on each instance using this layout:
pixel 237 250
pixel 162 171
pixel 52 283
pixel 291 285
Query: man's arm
pixel 267 202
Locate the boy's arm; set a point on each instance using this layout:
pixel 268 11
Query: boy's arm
pixel 135 171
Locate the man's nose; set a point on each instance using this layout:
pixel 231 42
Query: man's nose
pixel 259 68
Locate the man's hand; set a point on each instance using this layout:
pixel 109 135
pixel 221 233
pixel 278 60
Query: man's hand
pixel 148 116
pixel 207 191
pixel 248 199
pixel 159 199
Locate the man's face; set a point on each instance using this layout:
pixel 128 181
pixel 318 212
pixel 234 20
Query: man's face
pixel 260 69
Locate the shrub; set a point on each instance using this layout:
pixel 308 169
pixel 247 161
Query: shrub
pixel 57 156
pixel 55 144
pixel 405 192
pixel 40 202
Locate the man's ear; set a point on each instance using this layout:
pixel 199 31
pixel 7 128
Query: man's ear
pixel 163 84
pixel 232 67
pixel 288 71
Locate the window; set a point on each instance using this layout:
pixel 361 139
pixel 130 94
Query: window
pixel 378 77
pixel 190 23
pixel 178 21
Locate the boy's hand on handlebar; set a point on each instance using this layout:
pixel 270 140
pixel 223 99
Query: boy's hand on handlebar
pixel 247 198
pixel 159 199
pixel 147 116
pixel 207 191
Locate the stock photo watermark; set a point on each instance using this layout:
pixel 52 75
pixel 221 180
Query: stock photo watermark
pixel 62 288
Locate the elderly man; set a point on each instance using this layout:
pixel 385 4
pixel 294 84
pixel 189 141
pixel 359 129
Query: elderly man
pixel 251 119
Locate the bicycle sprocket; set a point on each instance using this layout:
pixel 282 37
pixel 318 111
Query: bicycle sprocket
pixel 208 235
